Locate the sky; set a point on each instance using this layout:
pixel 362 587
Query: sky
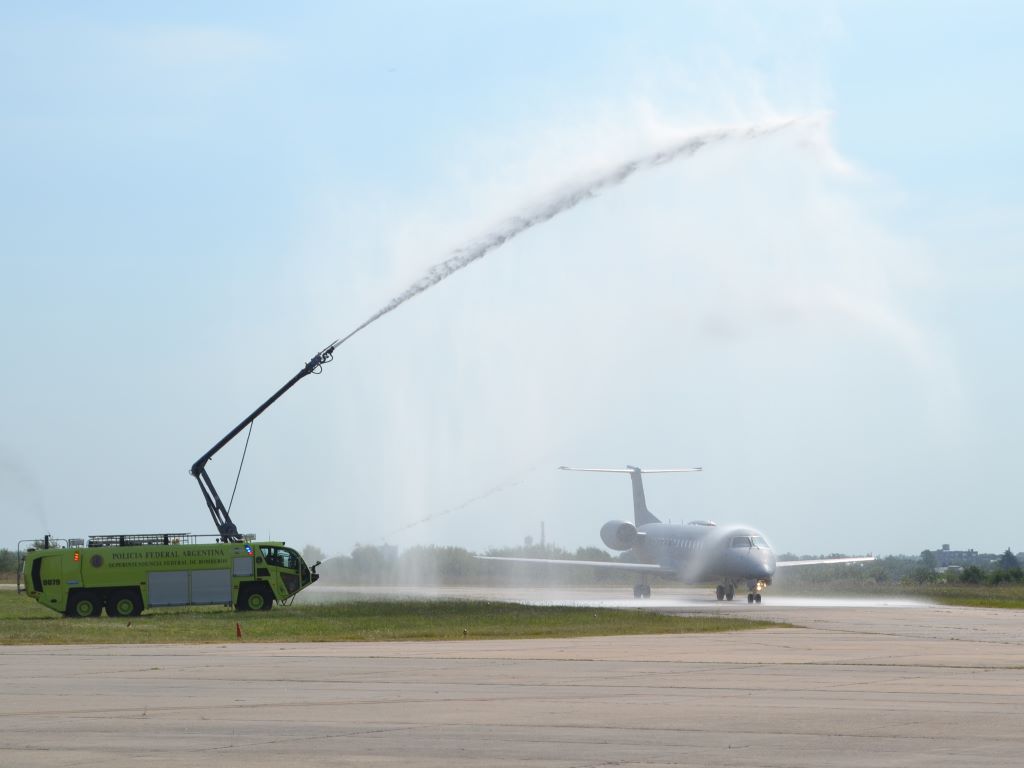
pixel 825 317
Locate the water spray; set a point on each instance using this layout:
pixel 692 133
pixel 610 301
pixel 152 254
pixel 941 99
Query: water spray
pixel 479 497
pixel 462 257
pixel 562 202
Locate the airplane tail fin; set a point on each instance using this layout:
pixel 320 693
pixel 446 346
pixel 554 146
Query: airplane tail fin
pixel 641 514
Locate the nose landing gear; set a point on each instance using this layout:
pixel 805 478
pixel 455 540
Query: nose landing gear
pixel 756 587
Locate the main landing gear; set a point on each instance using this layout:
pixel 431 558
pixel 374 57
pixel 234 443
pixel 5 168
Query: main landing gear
pixel 725 591
pixel 642 590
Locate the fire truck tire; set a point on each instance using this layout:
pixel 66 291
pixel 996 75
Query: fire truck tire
pixel 122 603
pixel 255 598
pixel 84 604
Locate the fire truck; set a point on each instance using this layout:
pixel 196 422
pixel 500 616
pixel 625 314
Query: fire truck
pixel 125 574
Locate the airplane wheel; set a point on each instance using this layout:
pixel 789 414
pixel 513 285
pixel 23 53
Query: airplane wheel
pixel 720 592
pixel 646 591
pixel 757 598
pixel 750 598
pixel 638 591
pixel 730 592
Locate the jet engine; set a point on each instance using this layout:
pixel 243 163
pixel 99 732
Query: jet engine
pixel 618 534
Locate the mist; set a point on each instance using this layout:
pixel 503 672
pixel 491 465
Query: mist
pixel 744 310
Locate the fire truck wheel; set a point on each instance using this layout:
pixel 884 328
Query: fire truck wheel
pixel 84 604
pixel 255 599
pixel 124 603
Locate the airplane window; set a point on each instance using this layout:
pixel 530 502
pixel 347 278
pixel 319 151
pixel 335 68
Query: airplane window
pixel 741 541
pixel 759 542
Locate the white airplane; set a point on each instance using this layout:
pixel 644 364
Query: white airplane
pixel 695 553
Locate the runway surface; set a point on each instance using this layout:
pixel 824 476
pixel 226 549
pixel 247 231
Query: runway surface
pixel 880 683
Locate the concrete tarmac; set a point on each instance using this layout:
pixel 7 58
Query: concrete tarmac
pixel 882 684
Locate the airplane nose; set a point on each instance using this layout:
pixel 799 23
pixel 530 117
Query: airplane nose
pixel 764 567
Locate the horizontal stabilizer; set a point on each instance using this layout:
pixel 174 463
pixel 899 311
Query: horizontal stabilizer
pixel 828 561
pixel 634 567
pixel 631 470
pixel 641 514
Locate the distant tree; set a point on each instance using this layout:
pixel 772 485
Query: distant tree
pixel 312 553
pixel 1007 569
pixel 923 575
pixel 374 565
pixel 550 551
pixel 1006 576
pixel 437 565
pixel 1008 561
pixel 337 570
pixel 972 574
pixel 592 553
pixel 928 559
pixel 8 561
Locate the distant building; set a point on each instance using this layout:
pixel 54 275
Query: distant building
pixel 946 558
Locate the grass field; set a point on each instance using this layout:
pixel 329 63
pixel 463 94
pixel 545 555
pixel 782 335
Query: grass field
pixel 23 621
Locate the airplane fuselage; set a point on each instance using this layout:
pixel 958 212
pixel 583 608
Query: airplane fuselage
pixel 703 552
pixel 694 553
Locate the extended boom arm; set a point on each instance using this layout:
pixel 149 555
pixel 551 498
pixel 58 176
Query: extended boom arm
pixel 227 529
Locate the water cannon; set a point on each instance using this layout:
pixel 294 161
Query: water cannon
pixel 222 519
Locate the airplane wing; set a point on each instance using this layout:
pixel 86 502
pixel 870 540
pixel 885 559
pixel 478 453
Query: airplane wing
pixel 618 566
pixel 828 561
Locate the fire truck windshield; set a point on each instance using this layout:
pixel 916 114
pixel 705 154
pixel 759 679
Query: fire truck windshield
pixel 281 557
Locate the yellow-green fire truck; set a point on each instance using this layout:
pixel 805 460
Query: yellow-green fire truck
pixel 125 574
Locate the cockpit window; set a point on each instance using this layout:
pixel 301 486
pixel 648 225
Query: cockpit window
pixel 759 542
pixel 741 542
